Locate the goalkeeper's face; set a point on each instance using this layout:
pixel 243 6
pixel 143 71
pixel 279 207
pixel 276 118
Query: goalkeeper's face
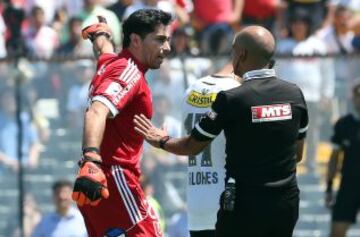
pixel 156 46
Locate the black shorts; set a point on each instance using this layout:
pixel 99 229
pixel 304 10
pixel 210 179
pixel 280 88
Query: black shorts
pixel 202 233
pixel 261 213
pixel 347 203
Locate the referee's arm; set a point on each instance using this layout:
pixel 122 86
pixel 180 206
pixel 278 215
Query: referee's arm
pixel 304 124
pixel 210 125
pixel 188 145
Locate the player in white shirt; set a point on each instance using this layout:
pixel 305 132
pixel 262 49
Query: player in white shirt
pixel 206 171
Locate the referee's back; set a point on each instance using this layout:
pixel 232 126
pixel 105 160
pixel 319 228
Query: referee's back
pixel 266 116
pixel 262 121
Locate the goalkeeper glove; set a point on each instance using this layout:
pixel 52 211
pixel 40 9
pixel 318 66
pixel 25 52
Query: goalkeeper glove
pixel 92 31
pixel 90 185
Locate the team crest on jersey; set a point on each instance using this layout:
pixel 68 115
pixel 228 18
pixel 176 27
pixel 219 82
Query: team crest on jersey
pixel 201 100
pixel 270 113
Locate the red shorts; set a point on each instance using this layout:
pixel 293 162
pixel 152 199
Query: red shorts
pixel 125 211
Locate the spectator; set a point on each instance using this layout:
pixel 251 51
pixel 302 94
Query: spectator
pixel 337 36
pixel 163 5
pixel 314 8
pixel 179 9
pixel 338 39
pixel 78 93
pixel 352 5
pixel 211 20
pixel 119 7
pixel 259 12
pixel 59 24
pixel 318 82
pixel 32 217
pixel 9 131
pixel 92 9
pixel 49 7
pixel 14 17
pixel 346 140
pixel 41 40
pixel 180 43
pixel 162 106
pixel 74 46
pixel 182 12
pixel 65 221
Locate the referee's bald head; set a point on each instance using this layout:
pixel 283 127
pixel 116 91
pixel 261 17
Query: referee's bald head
pixel 253 48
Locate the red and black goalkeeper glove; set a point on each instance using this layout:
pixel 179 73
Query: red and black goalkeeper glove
pixel 92 31
pixel 90 185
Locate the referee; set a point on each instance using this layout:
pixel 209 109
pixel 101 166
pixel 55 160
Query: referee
pixel 265 122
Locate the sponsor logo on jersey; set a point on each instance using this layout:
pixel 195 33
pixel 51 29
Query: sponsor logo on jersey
pixel 269 113
pixel 202 100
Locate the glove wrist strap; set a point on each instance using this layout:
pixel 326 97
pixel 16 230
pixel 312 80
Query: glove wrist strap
pixel 93 160
pixel 90 149
pixel 90 155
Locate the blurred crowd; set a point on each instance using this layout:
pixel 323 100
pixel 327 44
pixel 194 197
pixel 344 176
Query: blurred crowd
pixel 54 93
pixel 52 28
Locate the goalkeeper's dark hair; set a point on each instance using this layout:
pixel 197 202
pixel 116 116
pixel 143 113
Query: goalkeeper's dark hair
pixel 143 22
pixel 60 184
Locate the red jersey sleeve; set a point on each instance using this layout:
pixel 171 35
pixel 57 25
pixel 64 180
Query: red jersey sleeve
pixel 117 86
pixel 104 59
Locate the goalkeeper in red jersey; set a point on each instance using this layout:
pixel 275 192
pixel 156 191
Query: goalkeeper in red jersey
pixel 107 189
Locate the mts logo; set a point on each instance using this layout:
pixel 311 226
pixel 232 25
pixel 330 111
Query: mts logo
pixel 269 113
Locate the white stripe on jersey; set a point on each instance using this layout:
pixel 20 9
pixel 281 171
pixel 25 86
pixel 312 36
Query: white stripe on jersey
pixel 132 199
pixel 203 132
pixel 123 189
pixel 130 69
pixel 302 130
pixel 132 75
pixel 120 189
pixel 114 111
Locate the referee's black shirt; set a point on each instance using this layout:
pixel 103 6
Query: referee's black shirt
pixel 262 120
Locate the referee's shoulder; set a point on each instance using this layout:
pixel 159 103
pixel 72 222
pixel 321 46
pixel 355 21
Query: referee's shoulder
pixel 230 94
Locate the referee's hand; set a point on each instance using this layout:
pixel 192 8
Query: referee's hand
pixel 148 131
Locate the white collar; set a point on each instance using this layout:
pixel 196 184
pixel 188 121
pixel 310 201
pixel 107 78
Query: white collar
pixel 261 73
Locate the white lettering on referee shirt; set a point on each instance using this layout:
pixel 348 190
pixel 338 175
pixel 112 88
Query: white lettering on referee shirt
pixel 269 113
